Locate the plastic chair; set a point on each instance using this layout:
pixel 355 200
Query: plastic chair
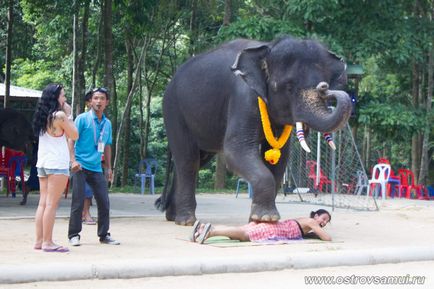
pixel 4 169
pixel 249 187
pixel 393 182
pixel 380 175
pixel 362 182
pixel 12 164
pixel 430 190
pixel 408 186
pixel 323 179
pixel 16 169
pixel 147 169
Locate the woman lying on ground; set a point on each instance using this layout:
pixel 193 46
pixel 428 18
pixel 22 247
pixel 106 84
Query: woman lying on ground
pixel 292 229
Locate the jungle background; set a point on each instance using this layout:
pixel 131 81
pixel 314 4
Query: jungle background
pixel 133 47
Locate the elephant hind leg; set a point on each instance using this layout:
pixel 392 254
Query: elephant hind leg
pixel 183 207
pixel 165 199
pixel 186 156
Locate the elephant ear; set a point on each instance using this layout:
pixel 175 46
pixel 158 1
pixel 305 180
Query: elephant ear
pixel 249 65
pixel 340 74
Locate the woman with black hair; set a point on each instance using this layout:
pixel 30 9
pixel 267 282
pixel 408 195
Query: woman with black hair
pixel 292 229
pixel 52 124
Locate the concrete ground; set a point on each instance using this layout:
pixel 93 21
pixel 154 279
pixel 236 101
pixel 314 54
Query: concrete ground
pixel 400 232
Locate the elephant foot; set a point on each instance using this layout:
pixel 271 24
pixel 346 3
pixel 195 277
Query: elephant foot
pixel 184 218
pixel 170 215
pixel 262 214
pixel 185 221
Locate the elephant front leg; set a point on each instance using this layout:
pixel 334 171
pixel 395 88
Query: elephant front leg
pixel 265 210
pixel 278 170
pixel 251 168
pixel 263 204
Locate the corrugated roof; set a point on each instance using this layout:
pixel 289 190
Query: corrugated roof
pixel 355 69
pixel 16 91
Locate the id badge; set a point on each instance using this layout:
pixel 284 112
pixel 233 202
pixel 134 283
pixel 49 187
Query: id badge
pixel 100 147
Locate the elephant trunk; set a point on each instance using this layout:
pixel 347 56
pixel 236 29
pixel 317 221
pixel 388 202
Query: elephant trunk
pixel 323 119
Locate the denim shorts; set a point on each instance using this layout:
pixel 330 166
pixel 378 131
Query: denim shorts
pixel 43 172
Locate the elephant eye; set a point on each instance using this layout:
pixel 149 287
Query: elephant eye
pixel 289 85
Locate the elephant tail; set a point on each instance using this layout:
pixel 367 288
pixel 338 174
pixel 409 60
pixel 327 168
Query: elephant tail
pixel 163 202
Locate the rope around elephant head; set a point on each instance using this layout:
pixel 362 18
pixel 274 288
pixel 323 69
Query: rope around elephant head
pixel 272 155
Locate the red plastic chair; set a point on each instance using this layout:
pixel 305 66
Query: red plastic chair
pixel 408 188
pixel 323 179
pixel 12 164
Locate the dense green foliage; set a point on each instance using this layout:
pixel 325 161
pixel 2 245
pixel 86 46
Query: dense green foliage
pixel 391 39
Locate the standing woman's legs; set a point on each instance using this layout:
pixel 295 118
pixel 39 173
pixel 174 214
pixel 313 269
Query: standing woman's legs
pixel 43 182
pixel 55 187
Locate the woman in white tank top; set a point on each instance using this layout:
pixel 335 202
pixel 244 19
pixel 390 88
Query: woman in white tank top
pixel 52 124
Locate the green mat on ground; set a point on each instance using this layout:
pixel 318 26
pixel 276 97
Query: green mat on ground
pixel 222 242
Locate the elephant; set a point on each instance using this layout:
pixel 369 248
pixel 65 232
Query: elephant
pixel 15 130
pixel 16 133
pixel 211 106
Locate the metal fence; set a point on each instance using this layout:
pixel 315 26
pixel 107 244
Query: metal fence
pixel 329 177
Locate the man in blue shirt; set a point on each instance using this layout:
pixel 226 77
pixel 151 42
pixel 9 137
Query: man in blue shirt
pixel 94 141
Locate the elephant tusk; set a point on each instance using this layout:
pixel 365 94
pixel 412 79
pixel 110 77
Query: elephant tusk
pixel 329 139
pixel 300 136
pixel 238 72
pixel 322 86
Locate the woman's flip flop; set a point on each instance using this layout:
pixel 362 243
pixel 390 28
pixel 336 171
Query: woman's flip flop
pixel 196 227
pixel 204 234
pixel 89 222
pixel 58 249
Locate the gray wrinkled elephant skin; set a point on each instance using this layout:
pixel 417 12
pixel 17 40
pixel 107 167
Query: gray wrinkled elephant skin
pixel 15 130
pixel 211 106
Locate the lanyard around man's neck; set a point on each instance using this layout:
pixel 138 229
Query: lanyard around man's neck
pixel 101 133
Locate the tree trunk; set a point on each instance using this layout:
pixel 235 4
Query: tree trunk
pixel 414 140
pixel 75 57
pixel 193 28
pixel 109 81
pixel 127 106
pixel 151 82
pixel 220 172
pixel 126 146
pixel 8 53
pixel 98 49
pixel 82 59
pixel 147 124
pixel 142 123
pixel 368 148
pixel 423 176
pixel 227 19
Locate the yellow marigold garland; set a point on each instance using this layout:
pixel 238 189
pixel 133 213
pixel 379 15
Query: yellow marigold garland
pixel 272 155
